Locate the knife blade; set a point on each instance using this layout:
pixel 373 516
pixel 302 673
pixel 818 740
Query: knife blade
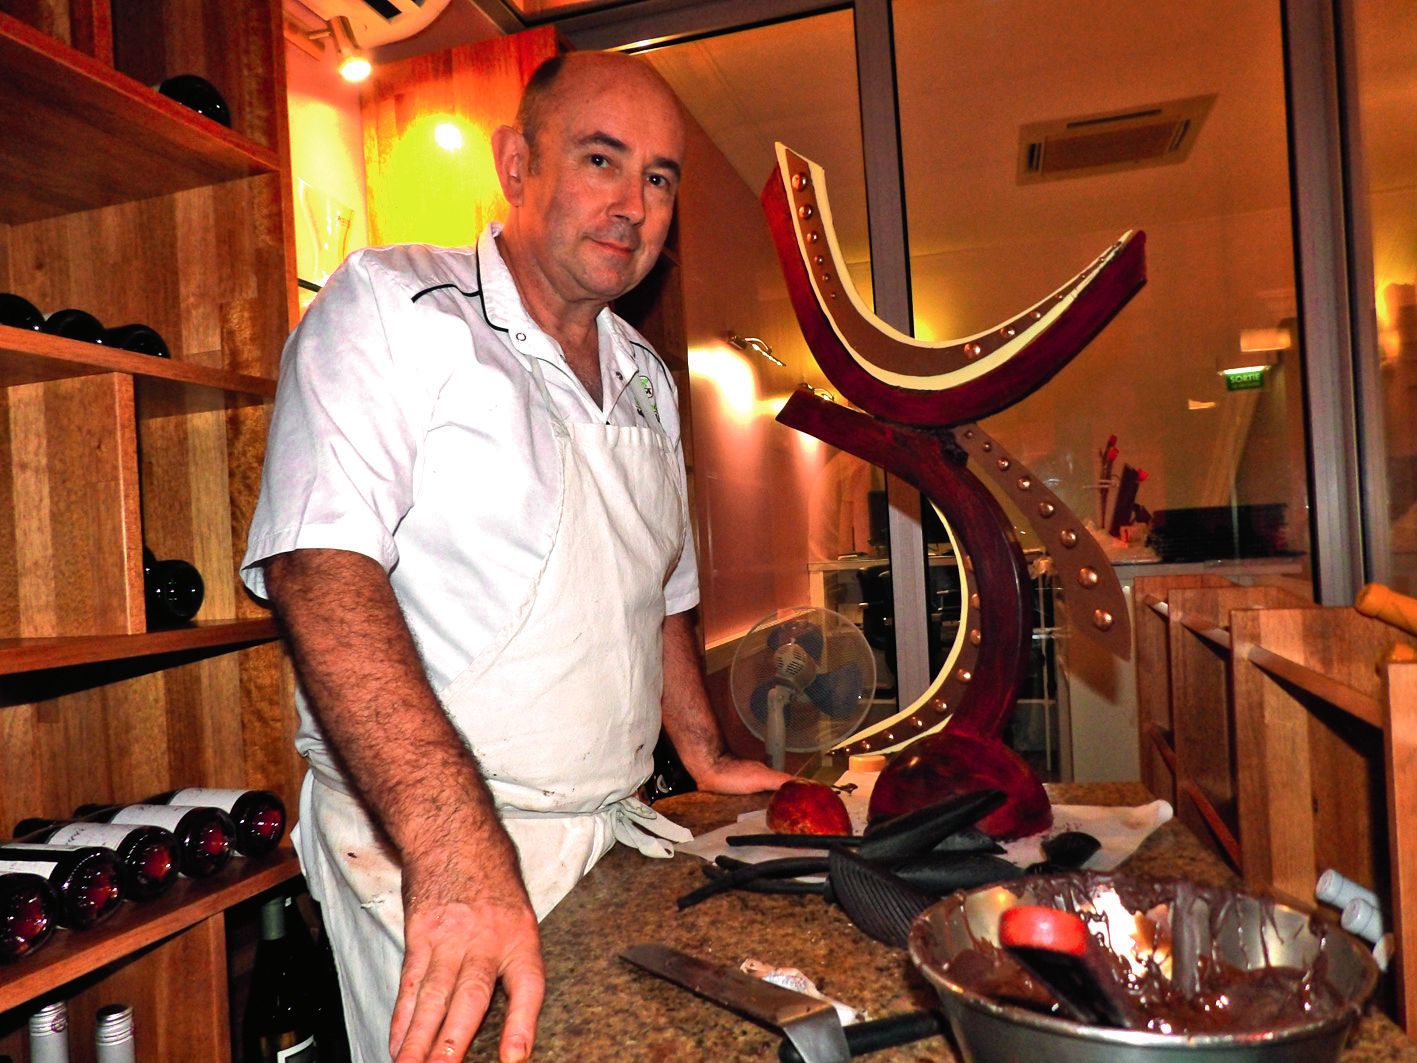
pixel 811 1025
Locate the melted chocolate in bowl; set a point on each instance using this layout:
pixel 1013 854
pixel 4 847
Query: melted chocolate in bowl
pixel 1232 975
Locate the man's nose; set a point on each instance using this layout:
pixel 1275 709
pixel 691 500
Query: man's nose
pixel 630 203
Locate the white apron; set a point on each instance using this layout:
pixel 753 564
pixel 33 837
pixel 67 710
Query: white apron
pixel 562 712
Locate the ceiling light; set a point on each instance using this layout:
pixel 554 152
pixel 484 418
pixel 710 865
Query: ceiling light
pixel 354 65
pixel 447 136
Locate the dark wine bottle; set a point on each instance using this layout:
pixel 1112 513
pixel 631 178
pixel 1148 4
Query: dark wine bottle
pixel 199 94
pixel 330 1032
pixel 74 325
pixel 203 834
pixel 113 1039
pixel 173 591
pixel 259 815
pixel 149 857
pixel 138 338
pixel 18 312
pixel 84 877
pixel 29 912
pixel 49 1034
pixel 281 1018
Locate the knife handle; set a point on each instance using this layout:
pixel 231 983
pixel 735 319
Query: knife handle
pixel 863 1037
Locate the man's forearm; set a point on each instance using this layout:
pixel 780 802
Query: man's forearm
pixel 690 722
pixel 360 669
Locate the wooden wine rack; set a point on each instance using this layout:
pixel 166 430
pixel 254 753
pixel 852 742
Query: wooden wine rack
pixel 121 202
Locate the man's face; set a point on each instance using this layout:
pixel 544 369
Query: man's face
pixel 599 194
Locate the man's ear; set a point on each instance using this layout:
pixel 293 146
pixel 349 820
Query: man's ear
pixel 512 155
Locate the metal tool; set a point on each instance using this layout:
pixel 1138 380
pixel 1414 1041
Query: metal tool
pixel 812 1030
pixel 810 1024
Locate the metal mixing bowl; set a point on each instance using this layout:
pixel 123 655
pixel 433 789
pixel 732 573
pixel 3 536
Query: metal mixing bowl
pixel 1237 929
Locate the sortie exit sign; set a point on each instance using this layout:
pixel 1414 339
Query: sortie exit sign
pixel 1244 380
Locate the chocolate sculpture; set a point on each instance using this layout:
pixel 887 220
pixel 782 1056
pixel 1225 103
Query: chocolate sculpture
pixel 922 402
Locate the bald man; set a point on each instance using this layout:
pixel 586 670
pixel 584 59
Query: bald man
pixel 473 523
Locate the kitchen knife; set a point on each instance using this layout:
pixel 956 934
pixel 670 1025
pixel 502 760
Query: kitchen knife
pixel 811 1025
pixel 824 1042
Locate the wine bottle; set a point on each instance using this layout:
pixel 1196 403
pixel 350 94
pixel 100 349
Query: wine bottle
pixel 259 815
pixel 49 1034
pixel 173 591
pixel 281 1019
pixel 113 1035
pixel 199 94
pixel 18 312
pixel 203 834
pixel 74 324
pixel 29 911
pixel 138 338
pixel 330 1032
pixel 85 878
pixel 148 857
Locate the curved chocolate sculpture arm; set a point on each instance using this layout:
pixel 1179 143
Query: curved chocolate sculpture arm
pixel 891 375
pixel 980 683
pixel 1089 581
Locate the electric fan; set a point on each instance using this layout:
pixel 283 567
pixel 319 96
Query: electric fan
pixel 801 680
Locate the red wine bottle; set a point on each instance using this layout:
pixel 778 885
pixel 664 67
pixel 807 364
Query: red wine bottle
pixel 204 834
pixel 18 312
pixel 149 857
pixel 198 94
pixel 84 876
pixel 138 338
pixel 259 815
pixel 172 590
pixel 29 912
pixel 74 324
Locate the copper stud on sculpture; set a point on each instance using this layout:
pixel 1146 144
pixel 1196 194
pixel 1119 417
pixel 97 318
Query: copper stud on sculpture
pixel 1046 509
pixel 987 447
pixel 1102 620
pixel 812 238
pixel 964 675
pixel 972 350
pixel 800 181
pixel 826 278
pixel 975 638
pixel 1088 577
pixel 974 600
pixel 969 434
pixel 1068 537
pixel 942 707
pixel 805 211
pixel 1004 464
pixel 1024 483
pixel 821 260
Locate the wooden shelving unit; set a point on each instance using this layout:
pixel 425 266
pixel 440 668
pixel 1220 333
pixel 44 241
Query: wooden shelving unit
pixel 121 202
pixel 76 134
pixel 135 927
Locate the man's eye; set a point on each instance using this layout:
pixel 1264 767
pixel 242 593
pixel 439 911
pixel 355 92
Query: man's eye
pixel 597 159
pixel 660 181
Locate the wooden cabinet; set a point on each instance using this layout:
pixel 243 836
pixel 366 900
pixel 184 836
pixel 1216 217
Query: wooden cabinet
pixel 121 202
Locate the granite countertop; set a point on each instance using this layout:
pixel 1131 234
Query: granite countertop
pixel 600 1008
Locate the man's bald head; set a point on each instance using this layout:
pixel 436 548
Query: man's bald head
pixel 557 79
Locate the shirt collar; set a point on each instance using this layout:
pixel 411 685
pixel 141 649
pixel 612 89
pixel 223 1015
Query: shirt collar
pixel 503 308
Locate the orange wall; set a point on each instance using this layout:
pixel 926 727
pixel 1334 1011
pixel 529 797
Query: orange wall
pixel 421 191
pixel 753 477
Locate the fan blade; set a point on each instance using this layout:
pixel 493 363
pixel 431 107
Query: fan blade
pixel 802 632
pixel 838 692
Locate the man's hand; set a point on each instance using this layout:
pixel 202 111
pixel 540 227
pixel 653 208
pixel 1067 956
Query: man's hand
pixel 455 951
pixel 733 775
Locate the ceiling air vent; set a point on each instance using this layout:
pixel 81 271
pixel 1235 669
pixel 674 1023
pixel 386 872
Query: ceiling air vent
pixel 377 22
pixel 1152 135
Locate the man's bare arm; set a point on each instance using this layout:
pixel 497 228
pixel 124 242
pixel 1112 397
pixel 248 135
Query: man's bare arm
pixel 467 919
pixel 692 726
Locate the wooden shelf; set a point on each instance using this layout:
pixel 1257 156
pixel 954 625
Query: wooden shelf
pixel 76 134
pixel 1340 695
pixel 32 655
pixel 28 357
pixel 73 954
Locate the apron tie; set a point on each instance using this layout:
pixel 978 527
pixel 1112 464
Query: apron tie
pixel 637 825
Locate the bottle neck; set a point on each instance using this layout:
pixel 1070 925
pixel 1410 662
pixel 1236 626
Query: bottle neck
pixel 273 919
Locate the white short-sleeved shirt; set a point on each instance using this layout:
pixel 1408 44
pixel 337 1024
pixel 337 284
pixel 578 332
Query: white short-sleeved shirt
pixel 408 427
